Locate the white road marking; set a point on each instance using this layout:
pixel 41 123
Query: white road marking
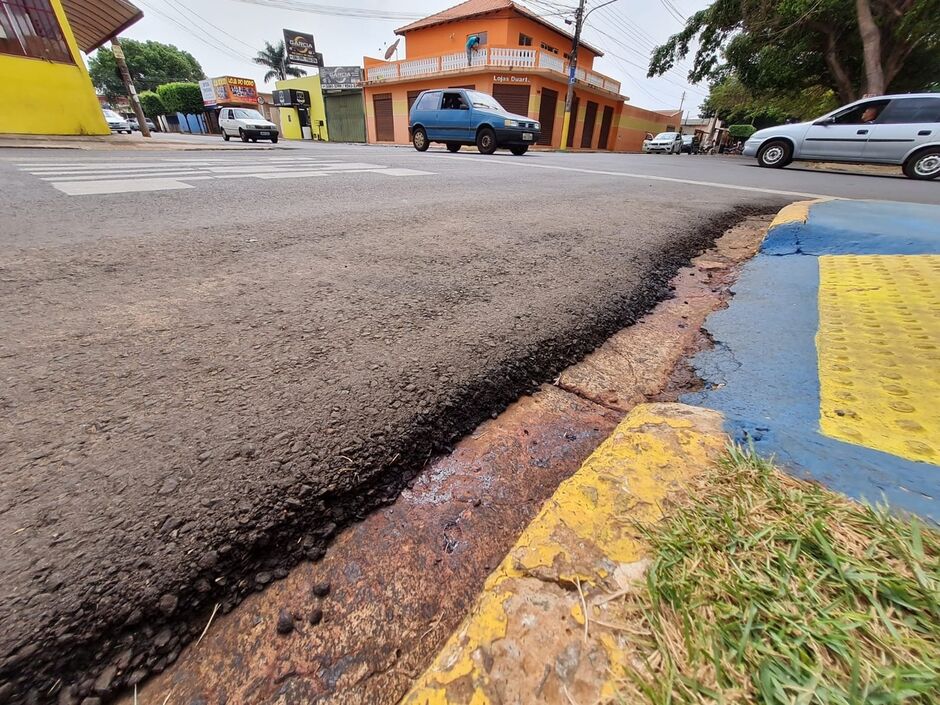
pixel 175 174
pixel 403 172
pixel 628 175
pixel 101 177
pixel 88 188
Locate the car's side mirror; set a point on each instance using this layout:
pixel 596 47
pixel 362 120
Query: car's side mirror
pixel 825 121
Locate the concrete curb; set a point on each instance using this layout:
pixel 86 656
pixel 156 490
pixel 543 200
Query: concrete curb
pixel 526 639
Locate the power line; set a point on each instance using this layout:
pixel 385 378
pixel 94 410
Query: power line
pixel 212 24
pixel 334 10
pixel 212 44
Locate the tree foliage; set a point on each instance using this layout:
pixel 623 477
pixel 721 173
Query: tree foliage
pixel 183 98
pixel 150 64
pixel 791 45
pixel 274 57
pixel 741 132
pixel 735 103
pixel 152 105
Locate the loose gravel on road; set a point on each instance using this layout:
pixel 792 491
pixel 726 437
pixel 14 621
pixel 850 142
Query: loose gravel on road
pixel 182 413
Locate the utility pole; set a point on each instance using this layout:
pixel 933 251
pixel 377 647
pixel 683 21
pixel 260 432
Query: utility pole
pixel 129 86
pixel 579 16
pixel 681 116
pixel 572 72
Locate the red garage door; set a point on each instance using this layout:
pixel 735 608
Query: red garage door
pixel 514 98
pixel 384 121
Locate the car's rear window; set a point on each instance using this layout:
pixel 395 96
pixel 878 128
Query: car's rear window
pixel 429 101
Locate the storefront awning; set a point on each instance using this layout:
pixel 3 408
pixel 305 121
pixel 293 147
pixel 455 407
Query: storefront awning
pixel 94 22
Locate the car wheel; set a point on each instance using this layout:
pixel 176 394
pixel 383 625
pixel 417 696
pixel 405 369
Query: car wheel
pixel 775 154
pixel 419 138
pixel 486 141
pixel 453 147
pixel 241 133
pixel 923 165
pixel 254 140
pixel 520 150
pixel 225 136
pixel 274 139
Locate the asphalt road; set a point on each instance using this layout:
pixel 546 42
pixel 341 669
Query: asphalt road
pixel 213 359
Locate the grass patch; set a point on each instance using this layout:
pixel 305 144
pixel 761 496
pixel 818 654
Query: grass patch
pixel 767 589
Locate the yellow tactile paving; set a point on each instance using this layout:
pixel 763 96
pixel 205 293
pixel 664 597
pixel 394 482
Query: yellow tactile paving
pixel 879 352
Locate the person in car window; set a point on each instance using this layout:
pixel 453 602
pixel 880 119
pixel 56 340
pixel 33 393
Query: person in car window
pixel 871 113
pixel 473 43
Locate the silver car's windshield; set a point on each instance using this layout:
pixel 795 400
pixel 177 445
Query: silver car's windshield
pixel 666 136
pixel 482 100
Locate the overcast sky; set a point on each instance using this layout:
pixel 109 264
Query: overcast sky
pixel 223 35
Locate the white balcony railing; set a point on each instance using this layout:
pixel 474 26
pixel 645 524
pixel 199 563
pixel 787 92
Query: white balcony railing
pixel 419 67
pixel 383 73
pixel 497 56
pixel 512 57
pixel 551 62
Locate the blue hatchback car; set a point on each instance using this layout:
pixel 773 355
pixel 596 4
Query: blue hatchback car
pixel 456 116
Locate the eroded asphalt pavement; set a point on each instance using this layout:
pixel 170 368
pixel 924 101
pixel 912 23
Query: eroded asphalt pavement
pixel 213 360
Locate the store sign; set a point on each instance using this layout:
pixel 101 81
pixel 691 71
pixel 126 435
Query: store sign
pixel 208 92
pixel 510 79
pixel 229 89
pixel 340 77
pixel 301 49
pixel 290 97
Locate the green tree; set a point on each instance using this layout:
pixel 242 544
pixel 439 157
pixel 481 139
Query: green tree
pixel 274 57
pixel 733 102
pixel 850 47
pixel 183 98
pixel 150 64
pixel 152 105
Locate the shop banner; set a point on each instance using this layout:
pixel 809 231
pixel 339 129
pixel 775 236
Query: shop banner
pixel 340 77
pixel 301 49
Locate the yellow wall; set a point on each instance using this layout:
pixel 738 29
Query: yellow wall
pixel 291 128
pixel 46 98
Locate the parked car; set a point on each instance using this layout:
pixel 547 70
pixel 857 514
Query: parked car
pixel 246 124
pixel 664 143
pixel 890 129
pixel 135 126
pixel 116 123
pixel 457 117
pixel 687 144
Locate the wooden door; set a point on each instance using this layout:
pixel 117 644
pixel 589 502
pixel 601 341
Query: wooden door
pixel 384 120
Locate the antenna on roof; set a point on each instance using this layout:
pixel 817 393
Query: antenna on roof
pixel 392 50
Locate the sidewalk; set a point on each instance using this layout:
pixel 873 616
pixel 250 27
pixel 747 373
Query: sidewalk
pixel 828 358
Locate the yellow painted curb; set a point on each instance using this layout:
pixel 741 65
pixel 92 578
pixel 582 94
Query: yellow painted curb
pixel 530 615
pixel 797 212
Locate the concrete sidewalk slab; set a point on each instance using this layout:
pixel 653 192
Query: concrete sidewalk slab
pixel 828 356
pixel 527 639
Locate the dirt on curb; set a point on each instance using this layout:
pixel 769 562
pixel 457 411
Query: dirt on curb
pixel 169 436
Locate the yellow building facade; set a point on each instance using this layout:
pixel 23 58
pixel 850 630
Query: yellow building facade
pixel 291 118
pixel 47 88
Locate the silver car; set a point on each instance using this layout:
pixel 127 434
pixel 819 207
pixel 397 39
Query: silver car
pixel 890 129
pixel 116 123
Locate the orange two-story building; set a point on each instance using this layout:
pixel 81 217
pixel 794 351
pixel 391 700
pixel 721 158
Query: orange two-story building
pixel 522 60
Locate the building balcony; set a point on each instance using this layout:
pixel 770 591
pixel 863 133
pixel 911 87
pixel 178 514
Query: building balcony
pixel 485 58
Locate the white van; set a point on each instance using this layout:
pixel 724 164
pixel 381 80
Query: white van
pixel 247 124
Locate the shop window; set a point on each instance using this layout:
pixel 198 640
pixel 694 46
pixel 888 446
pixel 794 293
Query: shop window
pixel 548 47
pixel 525 40
pixel 30 28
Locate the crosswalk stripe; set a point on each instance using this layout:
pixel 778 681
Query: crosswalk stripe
pixel 102 177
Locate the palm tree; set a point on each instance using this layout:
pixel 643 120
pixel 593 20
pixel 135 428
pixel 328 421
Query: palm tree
pixel 273 57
